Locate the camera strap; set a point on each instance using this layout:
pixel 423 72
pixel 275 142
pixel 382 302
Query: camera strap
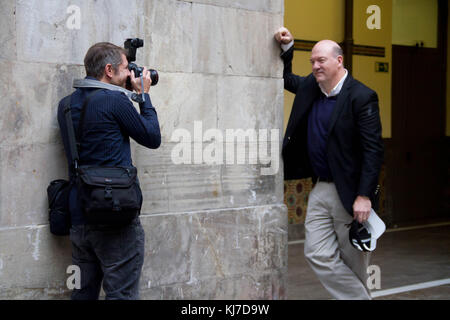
pixel 82 116
pixel 142 85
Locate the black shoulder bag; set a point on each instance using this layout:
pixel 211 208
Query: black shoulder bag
pixel 107 195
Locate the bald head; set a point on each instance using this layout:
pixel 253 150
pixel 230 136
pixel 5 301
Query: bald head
pixel 327 63
pixel 329 45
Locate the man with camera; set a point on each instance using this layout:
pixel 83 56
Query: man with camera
pixel 105 120
pixel 334 137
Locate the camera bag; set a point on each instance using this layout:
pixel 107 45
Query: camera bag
pixel 109 195
pixel 58 204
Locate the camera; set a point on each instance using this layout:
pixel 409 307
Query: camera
pixel 131 45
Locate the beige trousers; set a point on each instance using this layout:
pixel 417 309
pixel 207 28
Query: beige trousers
pixel 341 269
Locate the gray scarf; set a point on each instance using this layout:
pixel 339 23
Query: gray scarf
pixel 90 83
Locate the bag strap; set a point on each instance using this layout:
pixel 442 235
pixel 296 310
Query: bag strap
pixel 70 132
pixel 74 146
pixel 83 113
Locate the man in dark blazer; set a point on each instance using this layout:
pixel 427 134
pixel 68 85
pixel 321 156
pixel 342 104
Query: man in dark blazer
pixel 334 137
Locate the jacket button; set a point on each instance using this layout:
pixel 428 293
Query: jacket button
pixel 289 138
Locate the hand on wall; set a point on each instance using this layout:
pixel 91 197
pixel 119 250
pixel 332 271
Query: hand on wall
pixel 283 36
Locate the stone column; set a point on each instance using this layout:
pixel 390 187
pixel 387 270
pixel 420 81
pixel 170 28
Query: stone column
pixel 213 231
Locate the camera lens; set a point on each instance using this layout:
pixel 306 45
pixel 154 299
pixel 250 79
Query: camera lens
pixel 139 70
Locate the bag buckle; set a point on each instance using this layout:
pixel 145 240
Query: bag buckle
pixel 116 205
pixel 108 193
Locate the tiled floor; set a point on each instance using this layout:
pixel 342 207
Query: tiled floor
pixel 405 258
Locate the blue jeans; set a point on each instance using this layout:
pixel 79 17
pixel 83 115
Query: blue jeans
pixel 114 255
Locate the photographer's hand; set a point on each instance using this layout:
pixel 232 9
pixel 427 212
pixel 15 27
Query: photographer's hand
pixel 136 82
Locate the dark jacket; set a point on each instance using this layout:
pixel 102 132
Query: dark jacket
pixel 355 146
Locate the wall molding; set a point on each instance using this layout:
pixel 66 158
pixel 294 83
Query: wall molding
pixel 360 50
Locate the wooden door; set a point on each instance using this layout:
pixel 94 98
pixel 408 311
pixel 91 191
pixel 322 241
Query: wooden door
pixel 418 132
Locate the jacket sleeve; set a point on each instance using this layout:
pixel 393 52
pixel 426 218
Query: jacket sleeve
pixel 291 81
pixel 369 126
pixel 144 127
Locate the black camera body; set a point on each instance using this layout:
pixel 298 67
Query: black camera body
pixel 131 45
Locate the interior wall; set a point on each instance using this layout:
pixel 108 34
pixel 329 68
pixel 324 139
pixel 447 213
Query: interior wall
pixel 301 18
pixel 415 21
pixel 364 66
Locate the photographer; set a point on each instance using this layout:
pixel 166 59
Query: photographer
pixel 109 253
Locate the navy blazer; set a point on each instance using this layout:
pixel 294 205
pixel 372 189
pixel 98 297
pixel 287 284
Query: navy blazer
pixel 355 147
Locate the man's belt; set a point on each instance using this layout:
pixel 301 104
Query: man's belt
pixel 324 179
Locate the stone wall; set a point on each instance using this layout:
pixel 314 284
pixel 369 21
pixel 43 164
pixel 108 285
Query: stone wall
pixel 213 231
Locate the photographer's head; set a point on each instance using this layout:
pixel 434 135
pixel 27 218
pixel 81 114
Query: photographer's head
pixel 107 63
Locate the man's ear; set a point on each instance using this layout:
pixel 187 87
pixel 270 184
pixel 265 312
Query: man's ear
pixel 340 60
pixel 109 72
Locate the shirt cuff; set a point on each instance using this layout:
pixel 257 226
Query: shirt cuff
pixel 286 47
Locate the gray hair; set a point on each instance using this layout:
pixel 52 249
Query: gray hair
pixel 338 51
pixel 101 54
